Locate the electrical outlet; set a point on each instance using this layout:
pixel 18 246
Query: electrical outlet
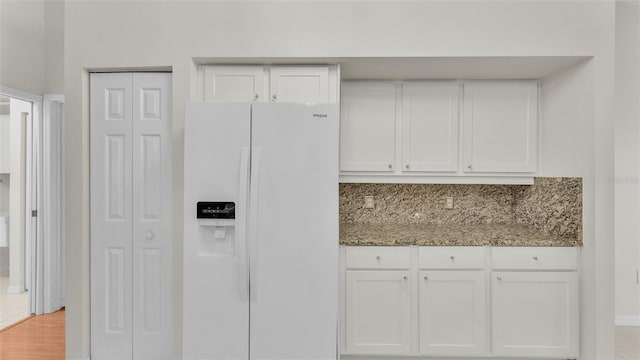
pixel 449 203
pixel 369 203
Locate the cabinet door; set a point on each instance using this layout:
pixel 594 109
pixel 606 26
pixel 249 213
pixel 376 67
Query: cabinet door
pixel 430 126
pixel 500 126
pixel 234 83
pixel 535 314
pixel 452 313
pixel 378 312
pixel 4 144
pixel 300 84
pixel 367 126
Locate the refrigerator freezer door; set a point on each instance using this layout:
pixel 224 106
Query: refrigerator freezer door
pixel 216 169
pixel 294 243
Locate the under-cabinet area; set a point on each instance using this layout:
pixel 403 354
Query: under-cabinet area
pixel 518 302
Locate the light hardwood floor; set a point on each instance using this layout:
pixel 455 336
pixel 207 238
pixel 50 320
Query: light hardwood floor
pixel 37 338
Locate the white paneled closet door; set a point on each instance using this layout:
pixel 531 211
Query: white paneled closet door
pixel 131 248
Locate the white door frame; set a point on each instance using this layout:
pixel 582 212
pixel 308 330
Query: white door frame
pixel 53 201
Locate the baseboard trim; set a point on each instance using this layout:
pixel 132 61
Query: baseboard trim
pixel 15 290
pixel 627 320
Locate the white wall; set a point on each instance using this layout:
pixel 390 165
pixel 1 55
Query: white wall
pixel 54 46
pixel 627 182
pixel 141 34
pixel 22 45
pixel 32 45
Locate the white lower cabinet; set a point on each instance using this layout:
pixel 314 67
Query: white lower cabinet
pixel 462 302
pixel 535 314
pixel 378 308
pixel 452 313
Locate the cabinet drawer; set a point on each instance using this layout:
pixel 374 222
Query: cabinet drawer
pixel 378 257
pixel 451 257
pixel 534 258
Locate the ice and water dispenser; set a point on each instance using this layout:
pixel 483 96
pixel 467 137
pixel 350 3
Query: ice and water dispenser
pixel 217 223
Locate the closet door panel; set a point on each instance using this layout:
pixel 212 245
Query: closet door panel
pixel 152 216
pixel 111 217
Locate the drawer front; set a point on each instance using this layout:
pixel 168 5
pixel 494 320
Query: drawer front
pixel 534 258
pixel 378 257
pixel 451 257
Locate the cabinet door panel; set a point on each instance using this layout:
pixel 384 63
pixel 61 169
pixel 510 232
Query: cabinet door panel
pixel 378 312
pixel 234 83
pixel 535 314
pixel 430 126
pixel 368 126
pixel 500 126
pixel 452 313
pixel 300 84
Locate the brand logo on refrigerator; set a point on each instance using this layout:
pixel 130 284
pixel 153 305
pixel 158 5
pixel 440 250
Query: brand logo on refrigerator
pixel 320 116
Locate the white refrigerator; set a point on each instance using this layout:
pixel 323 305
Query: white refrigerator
pixel 260 231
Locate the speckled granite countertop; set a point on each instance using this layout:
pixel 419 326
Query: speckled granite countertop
pixel 448 235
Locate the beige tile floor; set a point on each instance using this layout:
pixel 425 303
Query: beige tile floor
pixel 13 307
pixel 627 342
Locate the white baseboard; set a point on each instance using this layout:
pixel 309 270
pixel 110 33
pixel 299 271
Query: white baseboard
pixel 627 320
pixel 15 290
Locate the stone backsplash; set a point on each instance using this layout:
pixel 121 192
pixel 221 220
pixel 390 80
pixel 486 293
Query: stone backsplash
pixel 553 205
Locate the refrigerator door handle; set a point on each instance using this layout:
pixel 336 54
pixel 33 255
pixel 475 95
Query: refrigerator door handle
pixel 253 227
pixel 242 223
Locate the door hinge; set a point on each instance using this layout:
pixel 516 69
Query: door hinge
pixel 34 213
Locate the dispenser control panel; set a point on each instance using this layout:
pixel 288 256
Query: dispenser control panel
pixel 216 210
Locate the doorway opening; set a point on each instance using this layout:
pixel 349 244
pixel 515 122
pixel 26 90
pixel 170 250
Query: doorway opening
pixel 16 131
pixel 31 205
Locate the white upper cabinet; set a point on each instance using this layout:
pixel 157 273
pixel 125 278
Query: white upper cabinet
pixel 368 126
pixel 430 126
pixel 293 84
pixel 428 131
pixel 234 83
pixel 300 84
pixel 4 144
pixel 500 126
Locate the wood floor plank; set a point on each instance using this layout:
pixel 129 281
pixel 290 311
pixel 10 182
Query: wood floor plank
pixel 38 338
